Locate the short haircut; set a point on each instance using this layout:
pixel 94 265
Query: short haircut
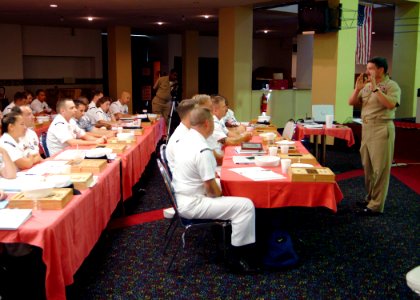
pixel 103 100
pixel 19 96
pixel 379 62
pixel 79 102
pixel 39 91
pixel 83 99
pixel 27 93
pixel 61 103
pixel 201 98
pixel 217 99
pixel 96 93
pixel 16 109
pixel 10 118
pixel 185 106
pixel 199 115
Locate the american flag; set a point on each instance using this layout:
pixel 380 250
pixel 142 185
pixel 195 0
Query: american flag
pixel 364 34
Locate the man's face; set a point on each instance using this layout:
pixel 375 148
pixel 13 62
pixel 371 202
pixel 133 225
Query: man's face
pixel 69 110
pixel 374 71
pixel 41 96
pixel 80 111
pixel 125 98
pixel 220 109
pixel 105 106
pixel 27 115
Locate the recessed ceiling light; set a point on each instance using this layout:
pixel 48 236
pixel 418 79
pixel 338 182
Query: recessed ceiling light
pixel 265 31
pixel 90 19
pixel 53 5
pixel 206 16
pixel 159 23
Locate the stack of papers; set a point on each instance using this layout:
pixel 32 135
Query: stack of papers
pixel 239 150
pixel 258 173
pixel 11 219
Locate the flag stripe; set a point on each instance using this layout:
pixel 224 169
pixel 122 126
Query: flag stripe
pixel 364 34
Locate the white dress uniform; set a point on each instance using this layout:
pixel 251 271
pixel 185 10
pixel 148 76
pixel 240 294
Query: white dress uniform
pixel 30 142
pixel 12 147
pixel 196 164
pixel 8 108
pixel 220 132
pixel 230 118
pixel 91 112
pixel 38 106
pixel 179 132
pixel 117 107
pixel 60 131
pixel 101 115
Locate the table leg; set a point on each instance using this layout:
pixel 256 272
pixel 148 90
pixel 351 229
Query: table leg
pixel 316 147
pixel 324 148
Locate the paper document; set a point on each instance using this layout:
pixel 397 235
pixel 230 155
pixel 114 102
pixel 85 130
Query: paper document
pixel 313 125
pixel 48 167
pixel 243 159
pixel 11 219
pixel 240 151
pixel 3 203
pixel 257 173
pixel 71 154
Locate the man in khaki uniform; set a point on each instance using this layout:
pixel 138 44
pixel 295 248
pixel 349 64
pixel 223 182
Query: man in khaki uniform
pixel 161 103
pixel 379 97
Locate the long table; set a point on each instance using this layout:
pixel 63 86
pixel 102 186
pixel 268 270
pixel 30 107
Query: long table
pixel 277 193
pixel 68 235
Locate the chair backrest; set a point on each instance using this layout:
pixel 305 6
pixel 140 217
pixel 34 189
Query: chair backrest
pixel 164 160
pixel 43 144
pixel 168 183
pixel 289 129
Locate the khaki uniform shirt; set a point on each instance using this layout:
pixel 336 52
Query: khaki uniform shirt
pixel 372 107
pixel 163 87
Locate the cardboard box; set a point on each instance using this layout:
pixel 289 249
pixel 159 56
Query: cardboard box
pixel 116 148
pixel 317 174
pixel 57 200
pixel 81 181
pixel 94 166
pixel 305 158
pixel 114 140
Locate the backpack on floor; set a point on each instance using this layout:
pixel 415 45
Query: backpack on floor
pixel 280 253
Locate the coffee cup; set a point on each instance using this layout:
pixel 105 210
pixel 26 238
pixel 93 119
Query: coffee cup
pixel 284 149
pixel 285 165
pixel 272 150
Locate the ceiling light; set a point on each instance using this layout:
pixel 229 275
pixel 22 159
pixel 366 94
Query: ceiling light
pixel 206 16
pixel 265 31
pixel 53 5
pixel 90 19
pixel 159 23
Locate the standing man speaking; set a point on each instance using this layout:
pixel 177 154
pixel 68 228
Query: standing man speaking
pixel 164 87
pixel 380 97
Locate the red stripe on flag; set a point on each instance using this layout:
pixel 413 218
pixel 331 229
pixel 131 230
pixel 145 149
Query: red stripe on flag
pixel 364 37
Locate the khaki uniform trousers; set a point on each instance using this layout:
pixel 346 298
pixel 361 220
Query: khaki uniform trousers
pixel 162 107
pixel 377 152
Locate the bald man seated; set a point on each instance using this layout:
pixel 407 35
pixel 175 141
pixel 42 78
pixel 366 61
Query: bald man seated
pixel 119 108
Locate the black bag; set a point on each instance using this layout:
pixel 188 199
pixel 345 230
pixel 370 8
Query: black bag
pixel 280 253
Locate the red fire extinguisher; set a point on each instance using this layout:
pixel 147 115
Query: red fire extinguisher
pixel 264 102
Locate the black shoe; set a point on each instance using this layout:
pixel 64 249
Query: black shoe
pixel 241 267
pixel 368 212
pixel 362 204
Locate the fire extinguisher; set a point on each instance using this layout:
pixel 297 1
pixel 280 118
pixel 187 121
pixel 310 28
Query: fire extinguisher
pixel 264 102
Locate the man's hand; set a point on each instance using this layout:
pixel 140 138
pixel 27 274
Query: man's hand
pixel 360 82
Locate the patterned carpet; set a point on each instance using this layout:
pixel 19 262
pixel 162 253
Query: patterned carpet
pixel 343 255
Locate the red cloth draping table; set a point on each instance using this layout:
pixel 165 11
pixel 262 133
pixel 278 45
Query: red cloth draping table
pixel 135 159
pixel 67 236
pixel 344 133
pixel 42 128
pixel 277 193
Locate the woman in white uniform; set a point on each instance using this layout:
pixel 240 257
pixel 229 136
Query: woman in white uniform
pixel 102 114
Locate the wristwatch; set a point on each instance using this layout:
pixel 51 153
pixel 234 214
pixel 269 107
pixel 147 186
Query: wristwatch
pixel 375 90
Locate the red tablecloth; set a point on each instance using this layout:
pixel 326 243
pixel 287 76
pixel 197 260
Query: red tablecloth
pixel 135 159
pixel 277 193
pixel 344 133
pixel 67 236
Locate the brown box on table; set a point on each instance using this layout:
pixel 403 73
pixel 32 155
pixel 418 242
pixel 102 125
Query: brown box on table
pixel 137 131
pixel 305 158
pixel 56 200
pixel 116 148
pixel 94 166
pixel 81 181
pixel 114 140
pixel 318 174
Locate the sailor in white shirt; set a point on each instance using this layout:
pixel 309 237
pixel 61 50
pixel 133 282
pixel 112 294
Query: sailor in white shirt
pixel 184 109
pixel 30 142
pixel 91 109
pixel 18 100
pixel 64 131
pixel 39 105
pixel 14 128
pixel 198 196
pixel 119 108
